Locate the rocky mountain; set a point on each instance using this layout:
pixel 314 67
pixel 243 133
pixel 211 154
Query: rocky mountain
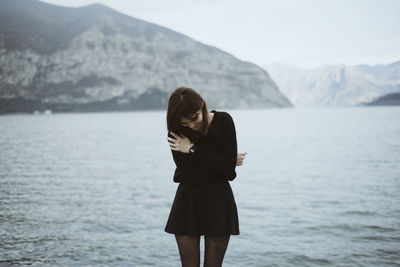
pixel 386 100
pixel 93 58
pixel 332 85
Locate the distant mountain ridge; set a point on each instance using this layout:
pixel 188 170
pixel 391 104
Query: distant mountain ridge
pixel 93 58
pixel 386 100
pixel 336 85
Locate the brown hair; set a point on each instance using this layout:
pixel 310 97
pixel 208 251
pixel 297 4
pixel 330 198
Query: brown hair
pixel 183 103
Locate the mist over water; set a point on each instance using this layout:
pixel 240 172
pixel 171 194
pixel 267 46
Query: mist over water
pixel 319 186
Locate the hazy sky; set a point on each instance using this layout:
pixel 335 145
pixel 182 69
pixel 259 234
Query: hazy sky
pixel 301 32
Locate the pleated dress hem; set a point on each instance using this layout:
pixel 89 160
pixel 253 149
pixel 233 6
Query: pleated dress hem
pixel 206 210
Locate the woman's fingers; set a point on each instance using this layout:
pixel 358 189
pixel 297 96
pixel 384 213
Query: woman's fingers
pixel 175 135
pixel 178 136
pixel 171 142
pixel 174 143
pixel 240 157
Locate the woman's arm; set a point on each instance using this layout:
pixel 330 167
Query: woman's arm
pixel 191 172
pixel 223 162
pixel 239 162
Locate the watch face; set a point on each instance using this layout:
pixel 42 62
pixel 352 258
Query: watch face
pixel 191 150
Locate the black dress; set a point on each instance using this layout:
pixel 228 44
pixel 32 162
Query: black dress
pixel 204 203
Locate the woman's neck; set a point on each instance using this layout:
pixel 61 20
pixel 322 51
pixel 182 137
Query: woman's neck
pixel 210 117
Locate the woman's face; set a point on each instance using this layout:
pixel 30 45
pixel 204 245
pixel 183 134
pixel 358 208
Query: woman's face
pixel 194 121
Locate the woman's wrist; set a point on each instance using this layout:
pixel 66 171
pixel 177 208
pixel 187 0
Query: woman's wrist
pixel 189 147
pixel 192 149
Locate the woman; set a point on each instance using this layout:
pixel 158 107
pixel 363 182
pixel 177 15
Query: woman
pixel 204 149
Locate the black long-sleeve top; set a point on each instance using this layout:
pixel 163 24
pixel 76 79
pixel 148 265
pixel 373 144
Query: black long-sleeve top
pixel 215 156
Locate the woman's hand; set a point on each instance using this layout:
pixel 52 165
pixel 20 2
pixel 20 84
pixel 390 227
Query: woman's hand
pixel 240 158
pixel 181 144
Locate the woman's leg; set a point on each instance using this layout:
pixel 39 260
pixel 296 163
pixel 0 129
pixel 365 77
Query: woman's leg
pixel 215 247
pixel 189 250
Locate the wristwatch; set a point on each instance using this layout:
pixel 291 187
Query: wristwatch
pixel 192 149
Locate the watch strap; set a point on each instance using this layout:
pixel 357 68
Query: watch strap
pixel 192 149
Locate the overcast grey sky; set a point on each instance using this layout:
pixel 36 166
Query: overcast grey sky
pixel 306 33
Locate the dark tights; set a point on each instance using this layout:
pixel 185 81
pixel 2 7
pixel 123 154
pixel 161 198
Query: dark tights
pixel 189 250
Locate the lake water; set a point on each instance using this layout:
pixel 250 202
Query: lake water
pixel 319 187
